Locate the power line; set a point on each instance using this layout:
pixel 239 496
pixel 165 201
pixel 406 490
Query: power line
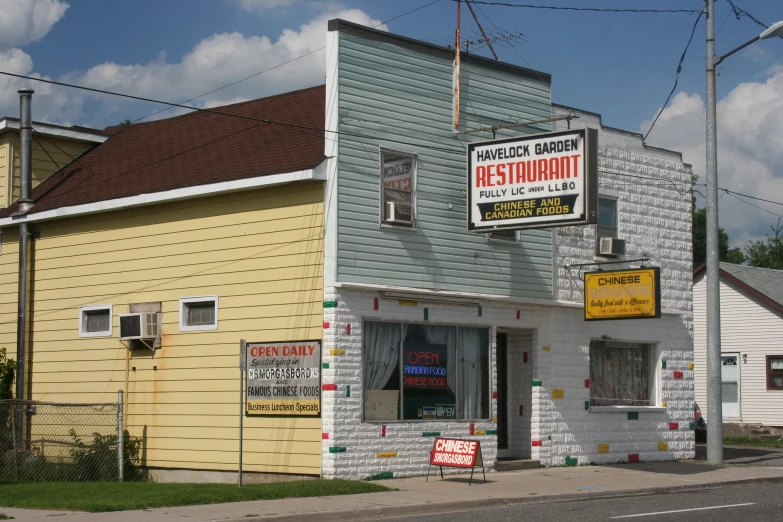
pixel 744 195
pixel 752 205
pixel 739 13
pixel 276 66
pixel 676 77
pixel 592 9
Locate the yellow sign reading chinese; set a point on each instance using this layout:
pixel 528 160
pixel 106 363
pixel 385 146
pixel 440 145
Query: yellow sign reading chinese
pixel 623 294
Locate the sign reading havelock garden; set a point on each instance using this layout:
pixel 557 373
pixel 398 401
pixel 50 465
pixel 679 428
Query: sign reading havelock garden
pixel 623 294
pixel 283 378
pixel 542 180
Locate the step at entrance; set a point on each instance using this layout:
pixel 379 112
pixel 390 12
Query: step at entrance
pixel 516 464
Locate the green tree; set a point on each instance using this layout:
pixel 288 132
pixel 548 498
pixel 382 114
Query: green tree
pixel 728 255
pixel 769 253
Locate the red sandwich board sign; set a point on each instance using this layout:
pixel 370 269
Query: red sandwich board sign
pixel 456 453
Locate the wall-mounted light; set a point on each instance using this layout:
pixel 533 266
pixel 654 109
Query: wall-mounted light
pixel 744 358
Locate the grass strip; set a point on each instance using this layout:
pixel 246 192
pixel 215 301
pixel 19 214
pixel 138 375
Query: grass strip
pixel 98 497
pixel 741 441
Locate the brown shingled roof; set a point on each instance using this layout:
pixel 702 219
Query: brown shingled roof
pixel 194 149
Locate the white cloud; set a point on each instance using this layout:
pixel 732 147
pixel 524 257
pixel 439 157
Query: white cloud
pixel 221 59
pixel 750 157
pixel 26 21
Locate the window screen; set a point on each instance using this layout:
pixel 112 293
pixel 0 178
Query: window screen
pixel 96 320
pixel 620 374
pixel 200 313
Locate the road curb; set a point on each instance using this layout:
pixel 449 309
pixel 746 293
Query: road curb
pixel 497 502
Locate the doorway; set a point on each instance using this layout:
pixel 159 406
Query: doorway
pixel 502 369
pixel 729 377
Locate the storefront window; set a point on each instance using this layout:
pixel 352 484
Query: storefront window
pixel 620 374
pixel 425 372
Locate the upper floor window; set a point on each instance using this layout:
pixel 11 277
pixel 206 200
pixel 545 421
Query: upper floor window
pixel 198 313
pixel 503 235
pixel 95 321
pixel 607 217
pixel 398 179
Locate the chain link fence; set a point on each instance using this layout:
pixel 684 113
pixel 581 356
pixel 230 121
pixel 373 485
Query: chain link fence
pixel 57 442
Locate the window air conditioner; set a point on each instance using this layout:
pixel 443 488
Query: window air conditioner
pixel 393 214
pixel 611 247
pixel 139 326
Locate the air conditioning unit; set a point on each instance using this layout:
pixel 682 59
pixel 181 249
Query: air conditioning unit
pixel 142 325
pixel 393 215
pixel 611 247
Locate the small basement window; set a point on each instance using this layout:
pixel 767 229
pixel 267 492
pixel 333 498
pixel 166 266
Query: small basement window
pixel 95 321
pixel 775 372
pixel 398 173
pixel 198 313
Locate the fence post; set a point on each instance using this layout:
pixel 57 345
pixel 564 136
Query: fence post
pixel 120 441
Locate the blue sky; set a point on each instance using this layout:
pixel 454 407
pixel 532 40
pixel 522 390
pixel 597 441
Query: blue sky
pixel 619 65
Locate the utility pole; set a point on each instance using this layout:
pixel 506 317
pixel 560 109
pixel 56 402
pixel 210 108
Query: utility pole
pixel 714 391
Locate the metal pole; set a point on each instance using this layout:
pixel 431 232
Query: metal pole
pixel 25 203
pixel 120 437
pixel 242 359
pixel 714 392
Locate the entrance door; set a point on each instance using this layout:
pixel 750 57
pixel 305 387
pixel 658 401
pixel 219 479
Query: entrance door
pixel 502 369
pixel 729 376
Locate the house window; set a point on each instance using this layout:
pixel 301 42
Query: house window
pixel 95 321
pixel 503 235
pixel 398 173
pixel 607 217
pixel 425 372
pixel 198 313
pixel 775 372
pixel 621 374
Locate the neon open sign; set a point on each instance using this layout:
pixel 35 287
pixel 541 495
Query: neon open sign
pixel 424 366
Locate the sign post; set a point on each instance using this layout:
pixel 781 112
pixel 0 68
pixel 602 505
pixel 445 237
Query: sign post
pixel 242 349
pixel 623 294
pixel 544 180
pixel 456 453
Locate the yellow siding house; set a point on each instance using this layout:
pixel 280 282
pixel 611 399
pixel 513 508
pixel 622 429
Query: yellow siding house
pixel 216 222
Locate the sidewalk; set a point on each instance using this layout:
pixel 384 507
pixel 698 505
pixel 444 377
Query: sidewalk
pixel 414 496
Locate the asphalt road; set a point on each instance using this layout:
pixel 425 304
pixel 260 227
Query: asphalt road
pixel 760 503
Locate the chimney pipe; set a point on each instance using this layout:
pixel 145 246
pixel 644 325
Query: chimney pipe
pixel 25 204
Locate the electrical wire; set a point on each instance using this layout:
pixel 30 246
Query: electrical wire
pixel 276 66
pixel 752 205
pixel 592 9
pixel 739 13
pixel 676 77
pixel 743 195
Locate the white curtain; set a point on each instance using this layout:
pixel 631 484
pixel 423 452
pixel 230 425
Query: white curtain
pixel 445 335
pixel 619 374
pixel 381 353
pixel 471 376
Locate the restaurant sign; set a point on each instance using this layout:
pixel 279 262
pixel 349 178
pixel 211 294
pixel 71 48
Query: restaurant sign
pixel 623 294
pixel 283 378
pixel 543 180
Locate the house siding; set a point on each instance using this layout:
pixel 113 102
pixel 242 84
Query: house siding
pixel 48 156
pixel 750 328
pixel 260 252
pixel 400 99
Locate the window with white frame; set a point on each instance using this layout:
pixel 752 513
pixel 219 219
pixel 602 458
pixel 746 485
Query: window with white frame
pixel 607 217
pixel 503 235
pixel 425 372
pixel 398 178
pixel 622 374
pixel 198 313
pixel 95 321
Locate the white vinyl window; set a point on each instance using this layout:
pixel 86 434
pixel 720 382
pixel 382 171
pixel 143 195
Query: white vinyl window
pixel 95 321
pixel 398 178
pixel 198 313
pixel 607 217
pixel 503 235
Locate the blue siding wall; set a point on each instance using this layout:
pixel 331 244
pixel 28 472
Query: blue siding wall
pixel 399 97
